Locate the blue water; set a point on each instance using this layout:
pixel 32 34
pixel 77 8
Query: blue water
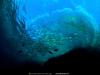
pixel 39 27
pixel 41 24
pixel 36 7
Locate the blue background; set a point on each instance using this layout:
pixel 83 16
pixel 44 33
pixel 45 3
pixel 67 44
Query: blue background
pixel 36 7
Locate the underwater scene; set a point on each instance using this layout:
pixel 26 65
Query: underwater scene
pixel 41 34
